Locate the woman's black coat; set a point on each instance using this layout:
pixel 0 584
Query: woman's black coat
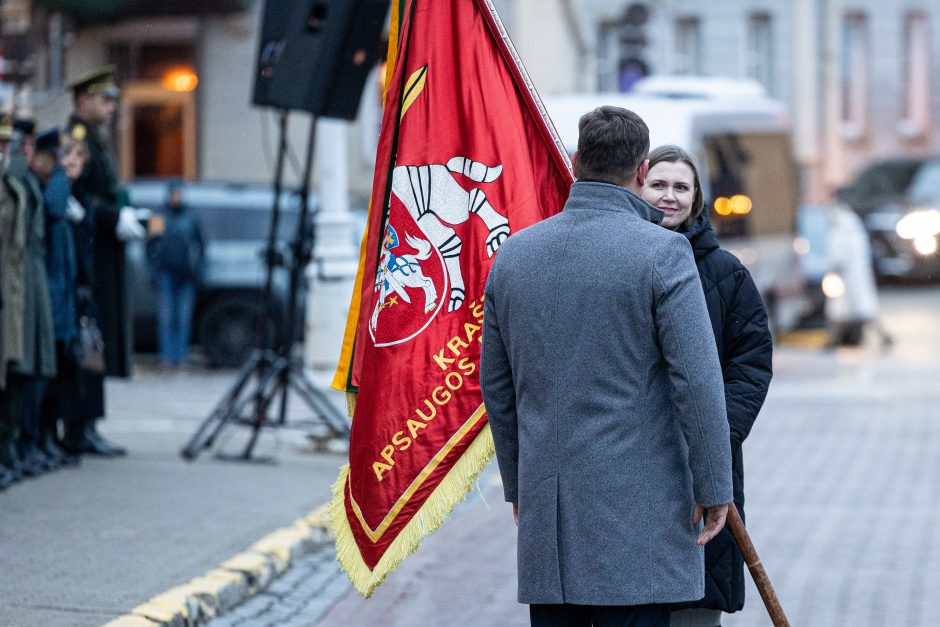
pixel 739 321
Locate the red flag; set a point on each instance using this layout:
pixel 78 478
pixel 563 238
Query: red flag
pixel 466 158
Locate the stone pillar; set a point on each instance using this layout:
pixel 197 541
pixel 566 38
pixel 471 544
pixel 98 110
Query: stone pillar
pixel 332 272
pixel 807 104
pixel 834 172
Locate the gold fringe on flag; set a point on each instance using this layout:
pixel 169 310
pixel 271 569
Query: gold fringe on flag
pixel 343 368
pixel 451 491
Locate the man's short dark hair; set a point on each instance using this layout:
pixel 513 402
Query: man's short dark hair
pixel 612 144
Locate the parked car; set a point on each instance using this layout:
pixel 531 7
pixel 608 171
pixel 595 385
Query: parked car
pixel 235 221
pixel 898 201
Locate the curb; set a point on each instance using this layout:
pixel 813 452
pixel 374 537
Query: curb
pixel 234 581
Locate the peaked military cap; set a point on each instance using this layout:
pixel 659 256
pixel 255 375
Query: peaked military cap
pixel 98 82
pixel 6 127
pixel 48 140
pixel 26 126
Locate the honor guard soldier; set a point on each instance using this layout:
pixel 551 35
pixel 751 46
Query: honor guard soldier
pixel 100 240
pixel 12 257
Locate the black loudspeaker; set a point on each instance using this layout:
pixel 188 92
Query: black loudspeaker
pixel 315 55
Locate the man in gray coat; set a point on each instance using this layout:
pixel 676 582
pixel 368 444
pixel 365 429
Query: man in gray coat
pixel 604 393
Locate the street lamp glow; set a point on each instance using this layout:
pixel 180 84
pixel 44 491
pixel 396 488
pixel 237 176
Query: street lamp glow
pixel 801 246
pixel 741 205
pixel 723 206
pixel 180 79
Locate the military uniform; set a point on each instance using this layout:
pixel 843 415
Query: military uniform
pixel 103 253
pixel 30 374
pixel 102 268
pixel 13 224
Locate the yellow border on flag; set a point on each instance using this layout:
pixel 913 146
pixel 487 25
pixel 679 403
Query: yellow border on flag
pixel 450 492
pixel 343 368
pixel 454 440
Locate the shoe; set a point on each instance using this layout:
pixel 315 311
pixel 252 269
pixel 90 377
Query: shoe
pixel 32 465
pixel 6 478
pixel 74 445
pixel 10 460
pixel 51 448
pixel 103 446
pixel 16 470
pixel 49 463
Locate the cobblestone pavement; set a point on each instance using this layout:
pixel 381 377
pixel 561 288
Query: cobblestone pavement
pixel 465 574
pixel 843 478
pixel 843 495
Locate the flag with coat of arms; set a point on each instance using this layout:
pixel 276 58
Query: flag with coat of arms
pixel 466 157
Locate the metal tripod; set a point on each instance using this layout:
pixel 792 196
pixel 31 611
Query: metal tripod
pixel 272 370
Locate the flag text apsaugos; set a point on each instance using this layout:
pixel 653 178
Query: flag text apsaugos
pixel 458 366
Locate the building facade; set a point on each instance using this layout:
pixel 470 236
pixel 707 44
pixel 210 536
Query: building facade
pixel 861 77
pixel 187 73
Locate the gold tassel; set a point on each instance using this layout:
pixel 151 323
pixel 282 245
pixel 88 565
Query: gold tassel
pixel 449 493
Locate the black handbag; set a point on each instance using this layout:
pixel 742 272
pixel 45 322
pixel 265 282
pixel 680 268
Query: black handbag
pixel 92 346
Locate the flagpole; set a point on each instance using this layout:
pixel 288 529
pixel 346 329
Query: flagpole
pixel 761 580
pixel 405 47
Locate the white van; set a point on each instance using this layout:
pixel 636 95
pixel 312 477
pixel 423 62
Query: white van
pixel 741 140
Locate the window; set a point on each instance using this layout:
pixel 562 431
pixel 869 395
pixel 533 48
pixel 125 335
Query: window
pixel 688 46
pixel 916 95
pixel 760 50
pixel 751 187
pixel 855 71
pixel 621 51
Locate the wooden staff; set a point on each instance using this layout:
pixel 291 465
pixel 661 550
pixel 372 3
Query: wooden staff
pixel 761 580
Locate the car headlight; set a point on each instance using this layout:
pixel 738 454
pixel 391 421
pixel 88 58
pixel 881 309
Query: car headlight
pixel 926 245
pixel 833 286
pixel 919 224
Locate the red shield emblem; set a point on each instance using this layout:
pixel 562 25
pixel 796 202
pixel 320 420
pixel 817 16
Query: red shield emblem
pixel 411 283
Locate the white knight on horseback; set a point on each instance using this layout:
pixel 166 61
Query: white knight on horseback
pixel 396 272
pixel 436 200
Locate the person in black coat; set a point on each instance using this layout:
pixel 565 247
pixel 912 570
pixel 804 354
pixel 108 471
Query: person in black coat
pixel 745 349
pixel 100 242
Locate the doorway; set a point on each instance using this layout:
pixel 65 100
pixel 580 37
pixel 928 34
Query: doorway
pixel 158 139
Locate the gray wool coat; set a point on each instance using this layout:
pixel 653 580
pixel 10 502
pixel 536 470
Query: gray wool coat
pixel 604 393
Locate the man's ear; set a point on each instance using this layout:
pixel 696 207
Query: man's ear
pixel 574 163
pixel 641 172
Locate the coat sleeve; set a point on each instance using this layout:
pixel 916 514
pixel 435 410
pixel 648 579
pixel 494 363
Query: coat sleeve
pixel 56 196
pixel 499 393
pixel 688 348
pixel 748 353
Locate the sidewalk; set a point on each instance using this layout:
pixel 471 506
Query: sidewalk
pixel 81 546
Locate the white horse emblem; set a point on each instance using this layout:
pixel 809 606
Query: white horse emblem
pixel 435 201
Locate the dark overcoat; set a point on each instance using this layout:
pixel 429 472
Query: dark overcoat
pixel 96 189
pixel 745 350
pixel 604 394
pixel 61 262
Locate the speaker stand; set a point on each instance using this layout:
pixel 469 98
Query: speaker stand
pixel 272 371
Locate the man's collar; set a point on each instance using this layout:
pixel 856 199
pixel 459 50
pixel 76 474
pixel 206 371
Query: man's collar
pixel 597 194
